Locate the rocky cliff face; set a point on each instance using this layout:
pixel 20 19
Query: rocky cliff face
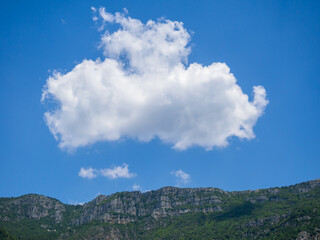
pixel 168 201
pixel 31 206
pixel 255 213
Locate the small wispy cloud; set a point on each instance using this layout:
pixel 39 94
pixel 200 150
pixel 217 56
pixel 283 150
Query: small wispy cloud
pixel 94 18
pixel 182 177
pixel 136 187
pixel 117 172
pixel 111 173
pixel 88 173
pixel 76 202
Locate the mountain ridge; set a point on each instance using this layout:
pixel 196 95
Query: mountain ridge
pixel 142 192
pixel 158 214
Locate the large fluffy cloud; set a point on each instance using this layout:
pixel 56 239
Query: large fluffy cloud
pixel 144 88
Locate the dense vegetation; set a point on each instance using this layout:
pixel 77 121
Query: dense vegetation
pixel 169 213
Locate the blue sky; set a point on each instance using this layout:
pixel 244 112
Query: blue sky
pixel 274 44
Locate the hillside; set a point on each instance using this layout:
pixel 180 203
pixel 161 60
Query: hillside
pixel 169 213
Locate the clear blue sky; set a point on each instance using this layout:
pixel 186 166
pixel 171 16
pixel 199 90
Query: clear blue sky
pixel 274 44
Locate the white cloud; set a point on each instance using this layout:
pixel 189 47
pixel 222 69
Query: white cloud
pixel 112 173
pixel 144 88
pixel 88 173
pixel 71 202
pixel 117 172
pixel 136 187
pixel 181 176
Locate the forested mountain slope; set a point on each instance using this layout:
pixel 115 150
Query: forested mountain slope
pixel 169 213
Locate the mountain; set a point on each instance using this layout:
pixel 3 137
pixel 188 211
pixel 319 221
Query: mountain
pixel 169 213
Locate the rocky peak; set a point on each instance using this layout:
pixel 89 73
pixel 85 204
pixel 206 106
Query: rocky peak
pixel 33 206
